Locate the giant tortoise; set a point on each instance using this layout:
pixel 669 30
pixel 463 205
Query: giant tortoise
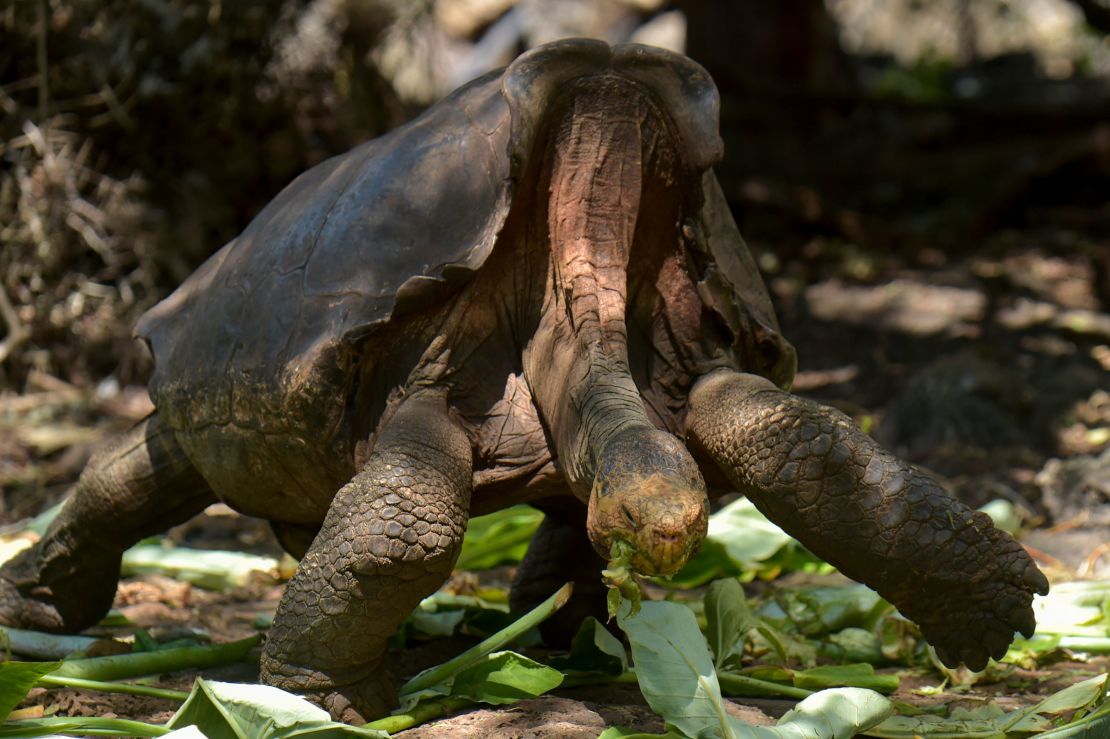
pixel 533 292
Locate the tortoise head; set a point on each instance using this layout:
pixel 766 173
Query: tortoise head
pixel 648 493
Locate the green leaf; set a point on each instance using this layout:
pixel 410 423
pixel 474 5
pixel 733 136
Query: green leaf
pixel 17 678
pixel 236 711
pixel 437 623
pixel 433 679
pixel 856 676
pixel 839 713
pixel 505 677
pixel 80 725
pixel 993 724
pixel 674 668
pixel 498 538
pixel 852 645
pixel 1004 515
pixel 40 646
pixel 728 620
pixel 594 649
pixel 119 666
pixel 746 534
pixel 676 676
pixel 619 578
pixel 619 732
pixel 820 610
pixel 209 569
pixel 787 647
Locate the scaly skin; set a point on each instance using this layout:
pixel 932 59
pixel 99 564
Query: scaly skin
pixel 137 487
pixel 965 583
pixel 390 539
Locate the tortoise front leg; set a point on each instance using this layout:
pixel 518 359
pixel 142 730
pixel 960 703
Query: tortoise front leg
pixel 139 486
pixel 390 539
pixel 880 521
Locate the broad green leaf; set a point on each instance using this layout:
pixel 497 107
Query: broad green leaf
pixel 728 620
pixel 674 668
pixel 676 676
pixel 594 649
pixel 821 610
pixel 1094 724
pixel 505 677
pixel 498 538
pixel 17 678
pixel 746 534
pixel 852 645
pixel 501 677
pixel 786 646
pixel 742 542
pixel 839 713
pixel 236 711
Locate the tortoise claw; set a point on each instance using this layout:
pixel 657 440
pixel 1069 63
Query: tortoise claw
pixel 355 704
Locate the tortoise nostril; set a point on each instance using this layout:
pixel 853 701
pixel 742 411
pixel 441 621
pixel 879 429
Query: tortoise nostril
pixel 670 537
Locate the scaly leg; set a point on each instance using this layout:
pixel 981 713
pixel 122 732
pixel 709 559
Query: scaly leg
pixel 561 551
pixel 880 521
pixel 390 539
pixel 141 485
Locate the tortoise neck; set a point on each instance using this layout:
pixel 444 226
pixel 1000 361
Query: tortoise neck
pixel 577 362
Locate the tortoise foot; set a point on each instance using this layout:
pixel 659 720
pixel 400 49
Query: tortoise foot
pixel 975 620
pixel 33 596
pixel 356 702
pixel 23 611
pixel 366 700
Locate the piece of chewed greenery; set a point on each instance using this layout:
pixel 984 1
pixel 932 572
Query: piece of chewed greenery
pixel 619 578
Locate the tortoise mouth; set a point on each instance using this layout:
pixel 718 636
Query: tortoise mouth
pixel 656 553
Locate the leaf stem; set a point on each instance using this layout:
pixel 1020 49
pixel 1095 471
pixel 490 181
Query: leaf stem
pixel 121 666
pixel 491 643
pixel 87 725
pixel 421 713
pixel 734 684
pixel 110 687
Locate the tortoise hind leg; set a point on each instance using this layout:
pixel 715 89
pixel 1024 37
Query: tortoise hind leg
pixel 137 487
pixel 561 551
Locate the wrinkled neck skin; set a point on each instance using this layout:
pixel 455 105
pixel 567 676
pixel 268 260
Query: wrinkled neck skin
pixel 577 363
pixel 603 148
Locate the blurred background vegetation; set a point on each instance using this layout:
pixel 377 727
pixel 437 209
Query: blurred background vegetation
pixel 863 137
